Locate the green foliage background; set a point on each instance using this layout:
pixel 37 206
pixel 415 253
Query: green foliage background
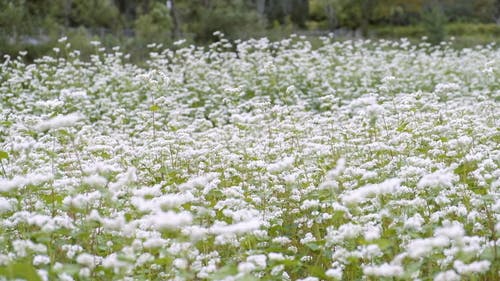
pixel 35 25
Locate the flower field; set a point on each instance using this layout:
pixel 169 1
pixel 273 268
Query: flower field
pixel 252 160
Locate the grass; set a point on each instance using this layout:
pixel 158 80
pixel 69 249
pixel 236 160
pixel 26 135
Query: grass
pixel 461 35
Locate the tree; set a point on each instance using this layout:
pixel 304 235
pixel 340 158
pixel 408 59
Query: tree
pixel 299 12
pixel 95 13
pixel 497 12
pixel 154 25
pixel 235 18
pixel 281 10
pixel 398 12
pixel 434 21
pixel 261 6
pixel 174 15
pixel 127 8
pixel 12 15
pixel 323 13
pixel 486 10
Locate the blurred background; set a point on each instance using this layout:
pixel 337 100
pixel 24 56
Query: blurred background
pixel 36 25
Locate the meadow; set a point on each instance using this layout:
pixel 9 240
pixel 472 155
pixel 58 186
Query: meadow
pixel 252 160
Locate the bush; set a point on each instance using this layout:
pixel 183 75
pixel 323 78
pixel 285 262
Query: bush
pixel 235 22
pixel 411 31
pixel 433 21
pixel 154 26
pixel 466 34
pixel 460 29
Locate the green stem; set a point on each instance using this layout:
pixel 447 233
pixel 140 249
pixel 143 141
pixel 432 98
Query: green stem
pixel 3 169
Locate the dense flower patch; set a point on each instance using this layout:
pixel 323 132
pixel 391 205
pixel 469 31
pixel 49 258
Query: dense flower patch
pixel 357 160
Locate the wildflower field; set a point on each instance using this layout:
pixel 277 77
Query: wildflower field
pixel 252 160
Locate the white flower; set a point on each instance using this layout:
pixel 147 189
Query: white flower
pixel 169 220
pixel 474 267
pixel 453 231
pixel 21 181
pixel 246 267
pixel 339 168
pixel 112 261
pixel 277 269
pixel 95 180
pixel 40 260
pixel 310 278
pixel 5 205
pixel 84 272
pixel 280 165
pixel 384 270
pixel 422 247
pixel 439 178
pixel 237 228
pixel 87 260
pixel 59 121
pixel 335 273
pixel 21 247
pixel 414 222
pixel 282 240
pixel 446 87
pixel 276 256
pixel 308 238
pixel 363 193
pixel 258 260
pixel 309 204
pixel 180 263
pixel 65 277
pixel 449 275
pixel 154 243
pixel 144 258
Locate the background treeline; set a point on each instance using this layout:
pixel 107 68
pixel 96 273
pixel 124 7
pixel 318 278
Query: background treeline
pixel 35 25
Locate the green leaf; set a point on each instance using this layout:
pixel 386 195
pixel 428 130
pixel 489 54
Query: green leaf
pixel 313 246
pixel 489 253
pixel 317 271
pixel 402 126
pixel 41 237
pixel 466 257
pixel 22 270
pixel 412 268
pixel 224 272
pixel 154 108
pixel 292 263
pixel 384 244
pixel 248 277
pixel 71 269
pixel 164 261
pixel 3 155
pixel 6 123
pixel 64 132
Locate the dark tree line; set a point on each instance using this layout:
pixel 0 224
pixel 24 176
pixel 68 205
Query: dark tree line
pixel 137 23
pixel 199 16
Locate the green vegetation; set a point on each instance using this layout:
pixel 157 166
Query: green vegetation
pixel 354 160
pixel 35 26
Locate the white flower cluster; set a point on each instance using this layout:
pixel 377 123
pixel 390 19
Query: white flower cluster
pixel 353 160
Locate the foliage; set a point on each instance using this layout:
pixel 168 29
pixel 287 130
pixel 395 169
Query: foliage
pixel 95 13
pixel 12 16
pixel 434 21
pixel 232 18
pixel 36 25
pixel 464 34
pixel 155 26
